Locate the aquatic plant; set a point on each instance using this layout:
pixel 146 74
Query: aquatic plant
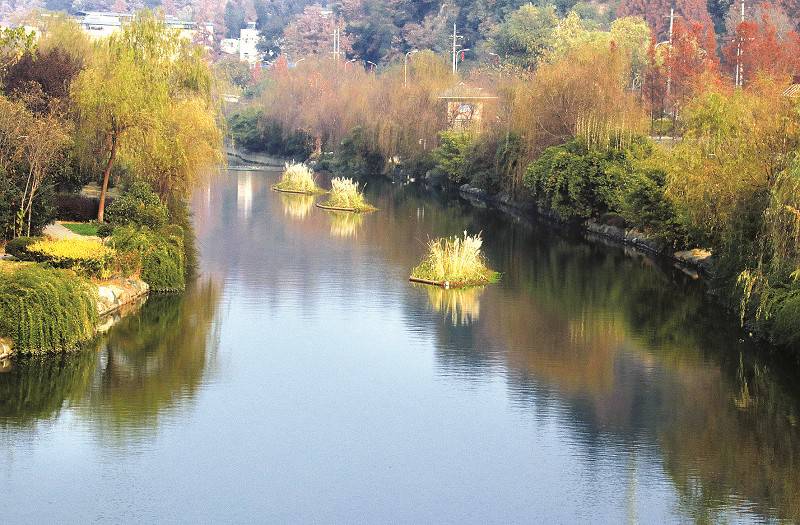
pixel 345 194
pixel 46 309
pixel 456 261
pixel 298 177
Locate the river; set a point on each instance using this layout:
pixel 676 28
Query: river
pixel 303 379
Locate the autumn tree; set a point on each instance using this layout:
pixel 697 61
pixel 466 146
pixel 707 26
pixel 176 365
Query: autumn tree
pixel 656 12
pixel 311 33
pixel 759 47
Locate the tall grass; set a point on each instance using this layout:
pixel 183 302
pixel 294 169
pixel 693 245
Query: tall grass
pixel 346 194
pixel 457 260
pixel 298 177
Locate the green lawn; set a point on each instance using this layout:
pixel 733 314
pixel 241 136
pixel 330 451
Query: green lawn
pixel 81 228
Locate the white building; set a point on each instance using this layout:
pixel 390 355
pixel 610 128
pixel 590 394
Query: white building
pixel 248 44
pixel 229 46
pixel 100 24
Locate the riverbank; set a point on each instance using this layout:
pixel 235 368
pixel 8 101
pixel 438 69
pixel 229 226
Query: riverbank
pixel 115 299
pixel 698 263
pixel 259 159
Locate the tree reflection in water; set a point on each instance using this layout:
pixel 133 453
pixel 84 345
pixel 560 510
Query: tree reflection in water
pixel 152 361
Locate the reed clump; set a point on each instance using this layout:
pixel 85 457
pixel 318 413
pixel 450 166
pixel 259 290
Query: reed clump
pixel 346 195
pixel 455 262
pixel 298 177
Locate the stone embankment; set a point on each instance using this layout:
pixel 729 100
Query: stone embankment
pixel 695 262
pixel 254 158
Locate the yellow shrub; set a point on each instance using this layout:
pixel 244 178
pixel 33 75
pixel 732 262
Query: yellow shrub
pixel 88 257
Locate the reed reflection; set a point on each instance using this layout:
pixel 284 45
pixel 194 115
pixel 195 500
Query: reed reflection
pixel 460 306
pixel 296 206
pixel 344 224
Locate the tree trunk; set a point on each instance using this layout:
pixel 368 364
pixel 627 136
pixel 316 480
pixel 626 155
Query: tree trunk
pixel 106 176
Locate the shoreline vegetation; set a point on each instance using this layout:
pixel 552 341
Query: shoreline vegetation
pixel 454 262
pixel 573 139
pixel 116 115
pixel 298 178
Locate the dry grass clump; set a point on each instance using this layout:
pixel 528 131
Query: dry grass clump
pixel 455 261
pixel 346 195
pixel 299 178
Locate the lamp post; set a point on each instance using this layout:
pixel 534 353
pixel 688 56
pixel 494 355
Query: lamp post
pixel 461 51
pixel 349 62
pixel 405 66
pixel 373 64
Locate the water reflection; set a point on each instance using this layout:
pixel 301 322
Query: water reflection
pixel 589 385
pixel 460 306
pixel 345 225
pixel 244 193
pixel 37 388
pixel 149 362
pixel 296 206
pixel 154 361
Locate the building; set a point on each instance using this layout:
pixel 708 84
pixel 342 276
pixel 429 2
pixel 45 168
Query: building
pixel 465 106
pixel 100 24
pixel 248 44
pixel 229 46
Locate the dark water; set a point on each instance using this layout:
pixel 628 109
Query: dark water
pixel 303 379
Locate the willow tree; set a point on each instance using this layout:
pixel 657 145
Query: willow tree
pixel 134 98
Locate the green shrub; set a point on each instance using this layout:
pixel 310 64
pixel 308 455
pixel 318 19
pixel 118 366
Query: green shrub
pixel 243 127
pixel 19 247
pixel 45 309
pixel 87 257
pixel 451 155
pixel 140 206
pixel 357 156
pixel 158 257
pixel 785 326
pixel 573 181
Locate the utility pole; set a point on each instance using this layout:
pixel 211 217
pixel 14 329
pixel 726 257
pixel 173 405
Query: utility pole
pixel 456 36
pixel 739 82
pixel 336 40
pixel 454 47
pixel 669 67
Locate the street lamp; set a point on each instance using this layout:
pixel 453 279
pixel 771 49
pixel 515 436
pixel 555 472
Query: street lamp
pixel 349 62
pixel 405 66
pixel 374 65
pixel 461 51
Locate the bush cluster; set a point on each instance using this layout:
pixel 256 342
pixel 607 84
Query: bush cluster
pixel 157 256
pixel 138 205
pixel 86 257
pixel 251 130
pixel 46 309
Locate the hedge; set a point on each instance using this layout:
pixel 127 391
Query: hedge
pixel 46 309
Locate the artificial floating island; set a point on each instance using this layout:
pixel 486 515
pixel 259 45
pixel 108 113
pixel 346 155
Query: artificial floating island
pixel 454 262
pixel 346 196
pixel 298 178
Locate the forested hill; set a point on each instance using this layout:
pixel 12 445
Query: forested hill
pixel 381 30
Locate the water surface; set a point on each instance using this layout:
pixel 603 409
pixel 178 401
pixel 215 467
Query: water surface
pixel 303 379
